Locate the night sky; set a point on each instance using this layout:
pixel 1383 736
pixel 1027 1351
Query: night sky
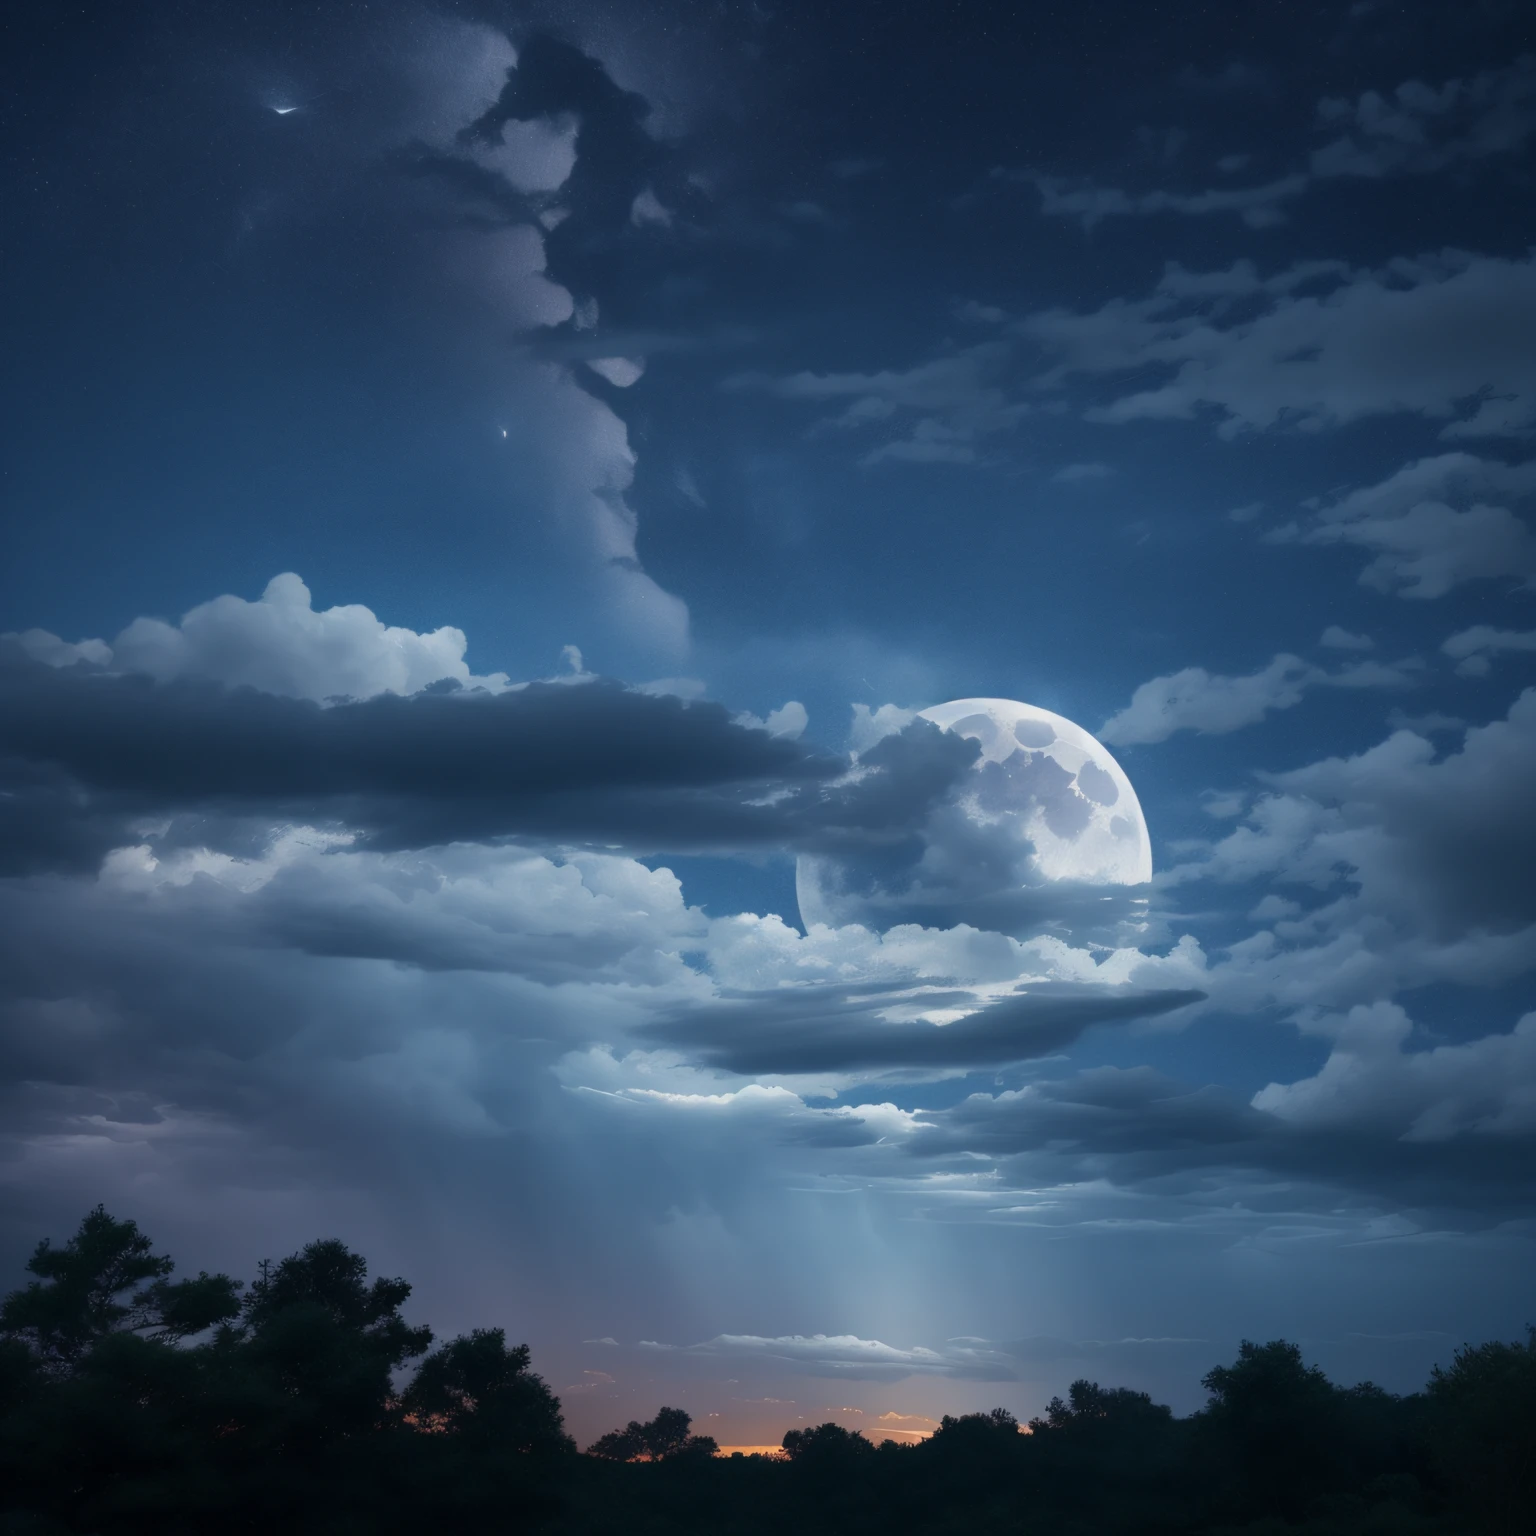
pixel 488 489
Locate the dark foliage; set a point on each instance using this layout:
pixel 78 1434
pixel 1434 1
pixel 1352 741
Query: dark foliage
pixel 665 1438
pixel 131 1403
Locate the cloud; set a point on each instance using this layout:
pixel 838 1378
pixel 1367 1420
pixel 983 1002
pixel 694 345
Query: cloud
pixel 848 1356
pixel 1409 868
pixel 586 488
pixel 281 645
pixel 1259 207
pixel 1339 639
pixel 1431 549
pixel 548 759
pixel 1020 846
pixel 1419 130
pixel 1102 1110
pixel 621 372
pixel 1447 337
pixel 788 720
pixel 502 273
pixel 616 158
pixel 54 652
pixel 1197 700
pixel 1073 473
pixel 307 1012
pixel 591 918
pixel 840 1028
pixel 91 753
pixel 1153 1153
pixel 255 1002
pixel 536 155
pixel 1423 545
pixel 1212 704
pixel 871 725
pixel 772 1114
pixel 1473 647
pixel 946 409
pixel 1484 1088
pixel 542 181
pixel 647 208
pixel 1446 835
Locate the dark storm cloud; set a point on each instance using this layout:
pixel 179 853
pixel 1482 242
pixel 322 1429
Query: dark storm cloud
pixel 85 752
pixel 836 1028
pixel 1142 1130
pixel 616 158
pixel 596 248
pixel 1457 835
pixel 614 152
pixel 1437 847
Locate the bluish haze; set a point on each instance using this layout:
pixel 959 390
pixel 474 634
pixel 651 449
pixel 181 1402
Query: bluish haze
pixel 488 488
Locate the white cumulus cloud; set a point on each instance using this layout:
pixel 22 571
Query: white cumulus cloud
pixel 281 644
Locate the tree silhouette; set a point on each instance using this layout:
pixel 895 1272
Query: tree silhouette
pixel 323 1344
pixel 478 1389
pixel 1091 1407
pixel 664 1438
pixel 328 1277
pixel 825 1445
pixel 135 1405
pixel 1484 1407
pixel 1274 1423
pixel 105 1279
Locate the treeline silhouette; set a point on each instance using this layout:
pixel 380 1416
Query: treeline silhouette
pixel 132 1403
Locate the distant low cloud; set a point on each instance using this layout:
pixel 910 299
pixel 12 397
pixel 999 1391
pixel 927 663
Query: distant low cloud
pixel 848 1356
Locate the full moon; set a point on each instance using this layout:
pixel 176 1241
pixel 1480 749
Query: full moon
pixel 1045 806
pixel 1058 788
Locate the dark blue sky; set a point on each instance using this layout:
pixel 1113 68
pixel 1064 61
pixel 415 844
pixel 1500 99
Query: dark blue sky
pixel 1170 368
